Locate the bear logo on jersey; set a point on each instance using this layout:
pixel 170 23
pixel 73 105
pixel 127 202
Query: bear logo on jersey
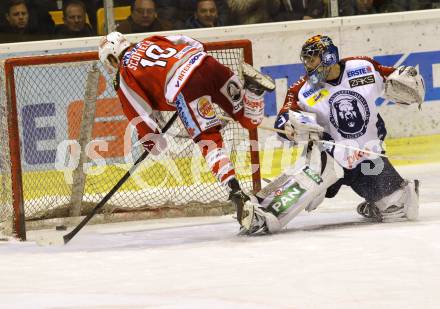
pixel 349 113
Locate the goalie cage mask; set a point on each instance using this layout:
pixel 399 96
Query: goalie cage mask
pixel 323 47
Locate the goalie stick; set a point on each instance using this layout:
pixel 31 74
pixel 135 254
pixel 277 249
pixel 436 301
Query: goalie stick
pixel 124 178
pixel 225 118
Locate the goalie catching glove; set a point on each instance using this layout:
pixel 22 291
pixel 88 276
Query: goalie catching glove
pixel 298 126
pixel 405 86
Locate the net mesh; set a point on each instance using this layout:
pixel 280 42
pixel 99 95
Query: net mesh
pixel 5 163
pixel 50 104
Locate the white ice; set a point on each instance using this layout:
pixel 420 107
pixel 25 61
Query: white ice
pixel 325 259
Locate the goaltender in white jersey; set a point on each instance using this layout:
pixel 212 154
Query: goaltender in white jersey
pixel 335 102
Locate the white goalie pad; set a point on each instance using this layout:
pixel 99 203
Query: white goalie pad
pixel 403 203
pixel 405 86
pixel 293 191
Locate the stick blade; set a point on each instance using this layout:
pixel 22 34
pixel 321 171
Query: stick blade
pixel 68 237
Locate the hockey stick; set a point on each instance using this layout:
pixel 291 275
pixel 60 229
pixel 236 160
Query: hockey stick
pixel 124 178
pixel 318 141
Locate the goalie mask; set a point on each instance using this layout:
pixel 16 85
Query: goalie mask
pixel 318 46
pixel 113 45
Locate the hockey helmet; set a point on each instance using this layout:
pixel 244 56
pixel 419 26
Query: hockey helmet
pixel 113 44
pixel 323 47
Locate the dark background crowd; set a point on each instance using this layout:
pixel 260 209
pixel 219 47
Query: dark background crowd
pixel 29 20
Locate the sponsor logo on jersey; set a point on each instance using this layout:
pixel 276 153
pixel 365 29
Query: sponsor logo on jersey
pixel 359 71
pixel 317 97
pixel 183 72
pixel 312 175
pixel 349 113
pixel 361 81
pixel 309 92
pixel 185 116
pixel 183 52
pixel 205 108
pixel 286 199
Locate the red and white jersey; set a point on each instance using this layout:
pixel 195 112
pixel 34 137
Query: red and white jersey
pixel 153 72
pixel 159 66
pixel 346 107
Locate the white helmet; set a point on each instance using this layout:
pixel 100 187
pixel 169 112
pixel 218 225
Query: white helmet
pixel 112 44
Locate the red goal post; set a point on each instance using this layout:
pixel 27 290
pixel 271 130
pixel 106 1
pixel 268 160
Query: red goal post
pixel 44 97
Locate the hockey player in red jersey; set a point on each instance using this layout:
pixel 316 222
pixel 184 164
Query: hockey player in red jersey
pixel 335 102
pixel 175 73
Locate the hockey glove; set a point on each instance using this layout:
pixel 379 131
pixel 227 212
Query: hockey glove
pixel 253 107
pixel 154 142
pixel 405 86
pixel 299 126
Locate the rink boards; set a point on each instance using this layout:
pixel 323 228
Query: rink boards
pixel 403 151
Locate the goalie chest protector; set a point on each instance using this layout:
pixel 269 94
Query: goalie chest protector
pixel 346 108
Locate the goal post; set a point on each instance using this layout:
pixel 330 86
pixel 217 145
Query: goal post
pixel 44 99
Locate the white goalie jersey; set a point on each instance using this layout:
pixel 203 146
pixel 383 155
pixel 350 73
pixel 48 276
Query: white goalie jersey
pixel 346 108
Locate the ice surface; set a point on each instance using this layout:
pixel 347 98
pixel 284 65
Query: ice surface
pixel 329 258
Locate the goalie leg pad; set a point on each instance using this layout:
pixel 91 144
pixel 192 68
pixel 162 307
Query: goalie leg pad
pixel 401 204
pixel 290 193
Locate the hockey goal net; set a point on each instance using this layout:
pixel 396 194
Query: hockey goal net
pixel 62 149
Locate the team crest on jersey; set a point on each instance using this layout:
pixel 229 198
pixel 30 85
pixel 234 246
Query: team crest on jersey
pixel 349 113
pixel 205 108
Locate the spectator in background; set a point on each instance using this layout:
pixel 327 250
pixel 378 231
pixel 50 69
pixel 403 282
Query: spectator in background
pixel 404 5
pixel 39 17
pixel 205 15
pixel 252 11
pixel 75 24
pixel 363 7
pixel 300 10
pixel 143 18
pixel 16 27
pixel 17 16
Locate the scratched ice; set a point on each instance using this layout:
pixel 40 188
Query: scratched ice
pixel 325 259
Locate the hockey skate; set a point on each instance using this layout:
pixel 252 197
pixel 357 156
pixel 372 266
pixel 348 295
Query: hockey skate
pixel 253 221
pixel 256 81
pixel 371 211
pixel 237 198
